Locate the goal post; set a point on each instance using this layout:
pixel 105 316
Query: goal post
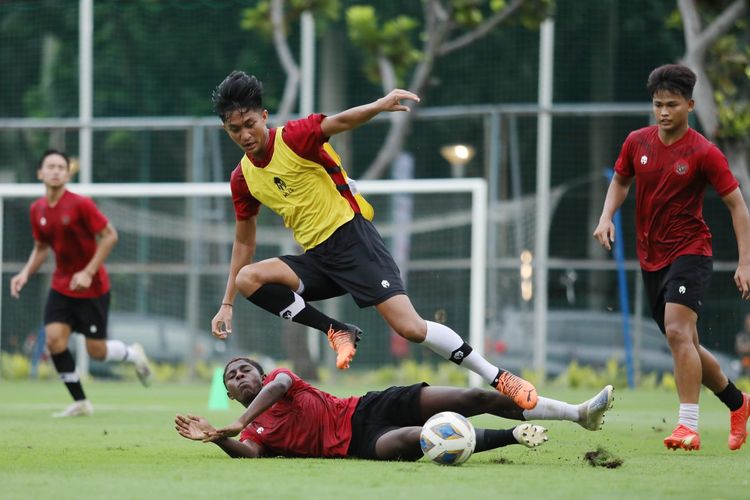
pixel 175 243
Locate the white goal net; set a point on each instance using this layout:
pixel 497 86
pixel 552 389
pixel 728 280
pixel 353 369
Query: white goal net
pixel 169 268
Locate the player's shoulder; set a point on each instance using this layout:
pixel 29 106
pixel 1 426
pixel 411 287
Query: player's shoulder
pixel 643 134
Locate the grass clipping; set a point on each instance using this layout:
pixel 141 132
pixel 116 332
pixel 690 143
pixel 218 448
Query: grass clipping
pixel 602 458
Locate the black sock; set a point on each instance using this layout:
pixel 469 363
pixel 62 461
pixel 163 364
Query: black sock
pixel 489 439
pixel 497 378
pixel 280 300
pixel 66 367
pixel 731 396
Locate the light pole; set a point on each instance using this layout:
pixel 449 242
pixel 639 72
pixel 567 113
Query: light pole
pixel 458 155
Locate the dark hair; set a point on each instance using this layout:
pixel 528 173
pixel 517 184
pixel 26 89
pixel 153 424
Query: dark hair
pixel 674 78
pixel 51 152
pixel 251 361
pixel 238 91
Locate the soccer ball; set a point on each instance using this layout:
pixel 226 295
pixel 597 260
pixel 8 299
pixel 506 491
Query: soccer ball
pixel 448 438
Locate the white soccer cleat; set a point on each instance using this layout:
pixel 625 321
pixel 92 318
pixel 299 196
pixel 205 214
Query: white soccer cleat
pixel 81 408
pixel 530 435
pixel 591 412
pixel 142 366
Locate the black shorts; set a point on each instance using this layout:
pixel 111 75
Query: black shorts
pixel 86 316
pixel 683 282
pixel 353 260
pixel 381 411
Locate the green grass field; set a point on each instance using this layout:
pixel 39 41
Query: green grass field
pixel 129 449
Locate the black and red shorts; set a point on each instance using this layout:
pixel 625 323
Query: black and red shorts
pixel 353 260
pixel 684 282
pixel 85 316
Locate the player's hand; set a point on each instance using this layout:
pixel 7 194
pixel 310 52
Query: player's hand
pixel 225 432
pixel 742 280
pixel 80 280
pixel 392 101
pixel 17 283
pixel 193 427
pixel 605 233
pixel 221 325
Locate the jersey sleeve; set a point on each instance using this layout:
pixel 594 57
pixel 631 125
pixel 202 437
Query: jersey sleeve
pixel 245 204
pixel 92 217
pixel 35 231
pixel 624 163
pixel 304 136
pixel 716 169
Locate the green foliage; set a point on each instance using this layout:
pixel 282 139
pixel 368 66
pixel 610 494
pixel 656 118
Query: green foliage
pixel 394 40
pixel 258 18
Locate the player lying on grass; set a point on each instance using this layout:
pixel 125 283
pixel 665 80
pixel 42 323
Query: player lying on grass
pixel 286 416
pixel 294 171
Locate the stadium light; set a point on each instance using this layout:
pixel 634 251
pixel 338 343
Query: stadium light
pixel 458 155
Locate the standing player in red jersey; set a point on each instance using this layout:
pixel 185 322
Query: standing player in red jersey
pixel 288 417
pixel 295 172
pixel 81 238
pixel 672 165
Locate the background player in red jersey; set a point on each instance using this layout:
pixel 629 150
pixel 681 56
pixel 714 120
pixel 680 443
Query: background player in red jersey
pixel 295 172
pixel 81 238
pixel 286 416
pixel 672 164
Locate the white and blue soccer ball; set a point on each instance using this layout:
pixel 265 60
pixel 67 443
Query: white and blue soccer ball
pixel 448 438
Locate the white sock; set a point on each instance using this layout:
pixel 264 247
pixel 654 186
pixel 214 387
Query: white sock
pixel 552 409
pixel 447 343
pixel 689 415
pixel 118 351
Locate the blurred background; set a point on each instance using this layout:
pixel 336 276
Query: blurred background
pixel 535 97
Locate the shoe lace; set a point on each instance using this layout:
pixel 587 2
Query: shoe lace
pixel 339 338
pixel 511 385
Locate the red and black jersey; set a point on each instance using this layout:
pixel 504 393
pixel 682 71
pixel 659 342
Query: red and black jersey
pixel 670 184
pixel 306 422
pixel 70 228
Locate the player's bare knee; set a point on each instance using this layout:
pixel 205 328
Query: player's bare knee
pixel 412 330
pixel 248 280
pixel 55 344
pixel 678 334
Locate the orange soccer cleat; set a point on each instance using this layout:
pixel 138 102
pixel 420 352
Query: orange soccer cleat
pixel 738 424
pixel 344 342
pixel 683 437
pixel 521 391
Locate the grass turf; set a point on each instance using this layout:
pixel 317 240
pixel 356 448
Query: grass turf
pixel 129 449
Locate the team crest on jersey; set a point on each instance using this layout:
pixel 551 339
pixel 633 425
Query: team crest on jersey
pixel 285 190
pixel 644 159
pixel 43 221
pixel 66 219
pixel 681 167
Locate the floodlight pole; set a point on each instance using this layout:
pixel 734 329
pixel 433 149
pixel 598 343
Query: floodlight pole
pixel 543 147
pixel 85 87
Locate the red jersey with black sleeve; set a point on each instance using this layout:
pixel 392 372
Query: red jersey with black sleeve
pixel 670 183
pixel 306 422
pixel 70 228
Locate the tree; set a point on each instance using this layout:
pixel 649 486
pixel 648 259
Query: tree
pixel 391 55
pixel 447 26
pixel 719 54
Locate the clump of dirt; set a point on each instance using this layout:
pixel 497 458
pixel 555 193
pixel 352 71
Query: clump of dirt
pixel 602 458
pixel 501 461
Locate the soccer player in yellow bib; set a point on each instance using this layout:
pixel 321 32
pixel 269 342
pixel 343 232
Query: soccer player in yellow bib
pixel 295 172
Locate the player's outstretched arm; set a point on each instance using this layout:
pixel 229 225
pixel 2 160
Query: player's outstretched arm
pixel 243 250
pixel 270 394
pixel 36 259
pixel 196 428
pixel 354 117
